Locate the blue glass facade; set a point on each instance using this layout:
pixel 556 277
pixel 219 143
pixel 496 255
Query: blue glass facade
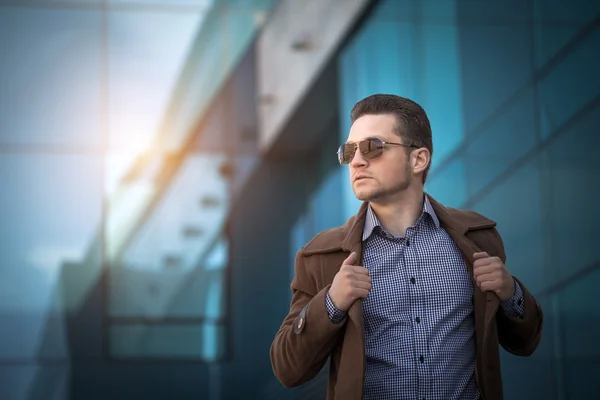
pixel 114 250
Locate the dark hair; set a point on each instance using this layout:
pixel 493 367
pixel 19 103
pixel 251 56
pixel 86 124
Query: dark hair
pixel 413 124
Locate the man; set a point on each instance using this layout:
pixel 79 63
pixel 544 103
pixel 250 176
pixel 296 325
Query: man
pixel 409 299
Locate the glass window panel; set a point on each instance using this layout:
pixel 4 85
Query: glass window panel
pixel 16 381
pixel 34 382
pixel 369 77
pixel 51 216
pixel 515 205
pixel 448 185
pixel 205 292
pixel 218 46
pixel 220 126
pixel 392 10
pixel 495 64
pixel 325 203
pixel 84 3
pixel 350 203
pixel 206 342
pixel 51 77
pixel 298 239
pixel 556 25
pixel 535 376
pixel 360 78
pixel 440 91
pixel 386 74
pixel 144 66
pixel 504 140
pixel 200 4
pixel 571 85
pixel 156 294
pixel 245 165
pixel 196 200
pixel 581 329
pixel 170 262
pixel 247 5
pixel 440 11
pixel 218 256
pixel 487 13
pixel 572 178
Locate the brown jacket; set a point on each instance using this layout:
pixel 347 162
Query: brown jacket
pixel 307 337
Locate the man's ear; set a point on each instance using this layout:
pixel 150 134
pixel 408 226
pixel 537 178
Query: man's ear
pixel 420 159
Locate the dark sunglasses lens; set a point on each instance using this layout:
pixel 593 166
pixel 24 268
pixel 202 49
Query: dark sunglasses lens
pixel 371 148
pixel 346 153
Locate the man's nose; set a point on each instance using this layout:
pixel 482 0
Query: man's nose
pixel 358 159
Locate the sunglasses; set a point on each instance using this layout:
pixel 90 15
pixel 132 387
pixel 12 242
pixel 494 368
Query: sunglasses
pixel 369 148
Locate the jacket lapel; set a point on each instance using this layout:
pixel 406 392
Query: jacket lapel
pixel 354 338
pixel 457 230
pixel 353 243
pixel 486 304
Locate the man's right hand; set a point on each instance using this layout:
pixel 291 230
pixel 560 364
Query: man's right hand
pixel 349 284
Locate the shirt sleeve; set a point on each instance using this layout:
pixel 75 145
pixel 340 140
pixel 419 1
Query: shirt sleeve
pixel 335 315
pixel 515 306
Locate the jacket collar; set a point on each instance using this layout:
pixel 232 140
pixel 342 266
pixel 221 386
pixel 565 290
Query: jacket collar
pixel 460 221
pixel 348 237
pixel 354 229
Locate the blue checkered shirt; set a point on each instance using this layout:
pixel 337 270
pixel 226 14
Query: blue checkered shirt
pixel 418 317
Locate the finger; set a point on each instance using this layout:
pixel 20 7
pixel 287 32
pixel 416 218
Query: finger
pixel 482 262
pixel 361 293
pixel 483 269
pixel 362 285
pixel 490 286
pixel 493 262
pixel 361 278
pixel 491 277
pixel 351 259
pixel 358 270
pixel 480 255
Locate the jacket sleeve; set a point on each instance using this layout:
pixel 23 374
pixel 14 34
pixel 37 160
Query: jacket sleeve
pixel 520 336
pixel 307 336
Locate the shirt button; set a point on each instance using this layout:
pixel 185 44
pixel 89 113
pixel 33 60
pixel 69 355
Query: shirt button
pixel 407 242
pixel 412 280
pixel 422 359
pixel 418 320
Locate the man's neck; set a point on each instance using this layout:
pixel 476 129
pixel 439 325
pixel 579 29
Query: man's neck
pixel 399 214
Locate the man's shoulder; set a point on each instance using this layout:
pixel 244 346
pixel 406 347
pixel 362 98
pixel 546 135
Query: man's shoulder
pixel 471 219
pixel 460 219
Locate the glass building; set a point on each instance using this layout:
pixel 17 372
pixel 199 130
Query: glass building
pixel 155 193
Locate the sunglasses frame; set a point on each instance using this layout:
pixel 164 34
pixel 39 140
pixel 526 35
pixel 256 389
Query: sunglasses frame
pixel 380 147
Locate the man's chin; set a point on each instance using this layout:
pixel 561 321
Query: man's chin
pixel 364 195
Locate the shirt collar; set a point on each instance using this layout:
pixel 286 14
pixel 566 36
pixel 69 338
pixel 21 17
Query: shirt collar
pixel 371 220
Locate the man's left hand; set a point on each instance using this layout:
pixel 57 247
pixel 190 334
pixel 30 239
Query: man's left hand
pixel 491 275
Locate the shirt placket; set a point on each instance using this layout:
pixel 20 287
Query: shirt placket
pixel 417 314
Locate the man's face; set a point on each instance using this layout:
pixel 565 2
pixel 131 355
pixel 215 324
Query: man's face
pixel 382 178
